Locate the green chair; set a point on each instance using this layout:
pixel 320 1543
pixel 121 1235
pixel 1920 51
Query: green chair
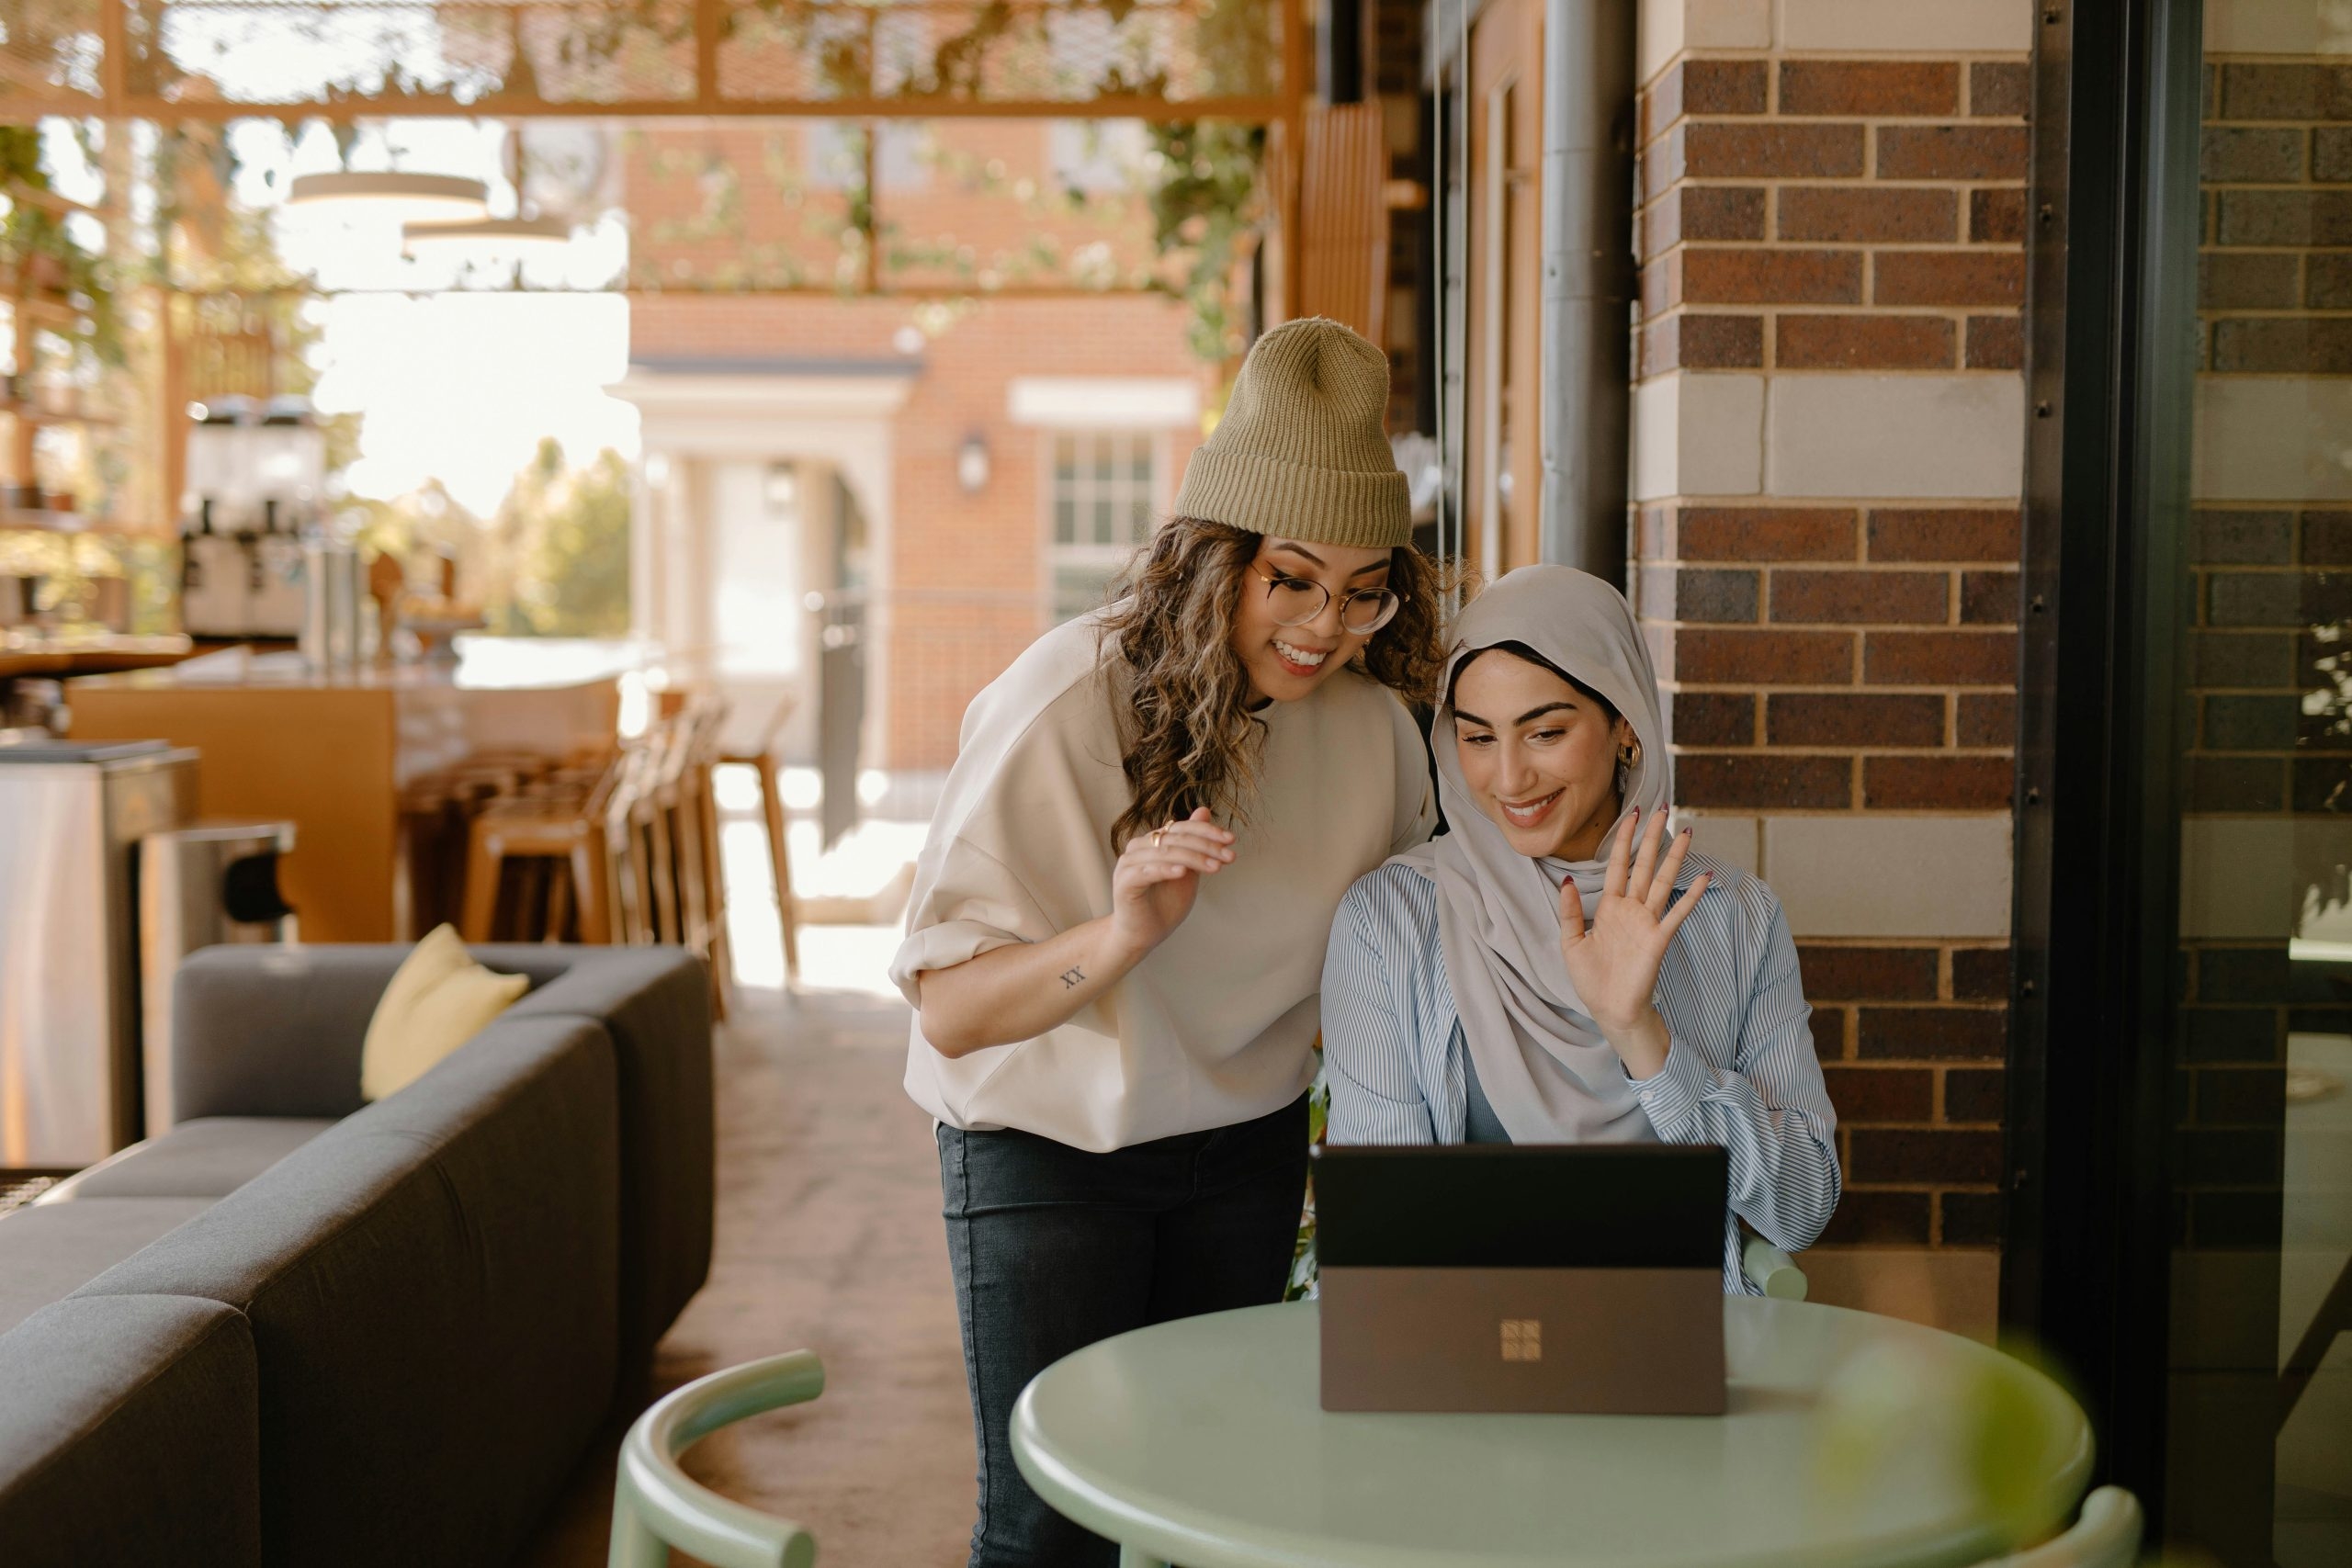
pixel 2107 1535
pixel 656 1506
pixel 1771 1270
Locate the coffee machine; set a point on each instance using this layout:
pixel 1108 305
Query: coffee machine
pixel 254 471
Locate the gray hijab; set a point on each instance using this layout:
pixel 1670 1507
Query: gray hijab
pixel 1544 1064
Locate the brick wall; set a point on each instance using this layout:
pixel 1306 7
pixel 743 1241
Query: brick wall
pixel 2269 600
pixel 962 584
pixel 757 199
pixel 1829 444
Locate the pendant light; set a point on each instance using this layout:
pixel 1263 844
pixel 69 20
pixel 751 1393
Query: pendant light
pixel 483 238
pixel 389 193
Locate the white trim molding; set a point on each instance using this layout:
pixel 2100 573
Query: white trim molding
pixel 1105 402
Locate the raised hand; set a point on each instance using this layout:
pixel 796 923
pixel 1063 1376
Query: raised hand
pixel 1614 959
pixel 1159 875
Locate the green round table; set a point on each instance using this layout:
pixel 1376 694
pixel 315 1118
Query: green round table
pixel 1202 1442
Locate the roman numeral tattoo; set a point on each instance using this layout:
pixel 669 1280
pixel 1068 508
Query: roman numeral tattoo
pixel 1070 978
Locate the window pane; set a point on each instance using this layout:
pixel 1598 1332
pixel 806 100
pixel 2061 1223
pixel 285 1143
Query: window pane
pixel 1065 520
pixel 1138 520
pixel 2258 1470
pixel 1079 588
pixel 1105 529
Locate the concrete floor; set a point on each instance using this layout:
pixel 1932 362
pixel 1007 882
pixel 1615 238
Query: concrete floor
pixel 829 1239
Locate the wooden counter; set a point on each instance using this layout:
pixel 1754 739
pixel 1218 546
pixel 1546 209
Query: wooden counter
pixel 88 656
pixel 331 751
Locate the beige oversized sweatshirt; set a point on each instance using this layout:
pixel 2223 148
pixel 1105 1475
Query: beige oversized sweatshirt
pixel 1217 1025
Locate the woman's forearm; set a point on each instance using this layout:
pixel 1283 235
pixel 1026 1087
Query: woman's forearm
pixel 1020 992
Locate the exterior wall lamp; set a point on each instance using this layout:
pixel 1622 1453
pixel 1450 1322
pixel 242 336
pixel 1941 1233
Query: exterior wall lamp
pixel 972 464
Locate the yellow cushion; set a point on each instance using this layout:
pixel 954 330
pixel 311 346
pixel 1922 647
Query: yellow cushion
pixel 439 1000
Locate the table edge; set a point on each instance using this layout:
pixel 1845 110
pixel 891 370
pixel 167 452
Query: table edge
pixel 1078 1499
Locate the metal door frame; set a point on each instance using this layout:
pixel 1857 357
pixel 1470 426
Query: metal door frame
pixel 2086 1252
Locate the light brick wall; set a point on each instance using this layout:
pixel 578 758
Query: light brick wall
pixel 1828 452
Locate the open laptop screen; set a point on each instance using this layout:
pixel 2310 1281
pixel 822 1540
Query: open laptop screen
pixel 1521 1206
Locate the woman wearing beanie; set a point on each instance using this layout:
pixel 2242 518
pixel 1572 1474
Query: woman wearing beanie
pixel 1117 924
pixel 1554 970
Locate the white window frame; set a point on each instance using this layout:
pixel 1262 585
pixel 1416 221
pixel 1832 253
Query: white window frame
pixel 1054 556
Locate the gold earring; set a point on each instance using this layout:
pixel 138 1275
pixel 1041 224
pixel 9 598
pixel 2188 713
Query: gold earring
pixel 1630 754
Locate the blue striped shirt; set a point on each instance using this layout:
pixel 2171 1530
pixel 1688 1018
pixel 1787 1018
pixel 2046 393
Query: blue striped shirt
pixel 1741 1071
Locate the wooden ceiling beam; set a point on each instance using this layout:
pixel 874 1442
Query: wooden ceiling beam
pixel 1264 110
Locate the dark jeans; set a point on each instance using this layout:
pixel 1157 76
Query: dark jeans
pixel 1055 1248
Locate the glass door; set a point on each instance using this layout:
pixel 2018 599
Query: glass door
pixel 2258 1461
pixel 2179 1142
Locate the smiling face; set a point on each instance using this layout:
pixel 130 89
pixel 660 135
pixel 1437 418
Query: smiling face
pixel 1539 757
pixel 1286 662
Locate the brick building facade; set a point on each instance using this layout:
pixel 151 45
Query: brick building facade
pixel 1083 405
pixel 1827 463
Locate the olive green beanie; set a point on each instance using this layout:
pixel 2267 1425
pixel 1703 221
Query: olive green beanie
pixel 1301 453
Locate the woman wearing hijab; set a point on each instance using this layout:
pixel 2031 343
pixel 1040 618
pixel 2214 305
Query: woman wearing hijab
pixel 1118 919
pixel 1554 969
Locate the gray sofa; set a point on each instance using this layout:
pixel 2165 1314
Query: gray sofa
pixel 299 1330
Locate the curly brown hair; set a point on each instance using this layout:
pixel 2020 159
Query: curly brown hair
pixel 1187 737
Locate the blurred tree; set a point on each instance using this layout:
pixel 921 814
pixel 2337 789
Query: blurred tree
pixel 551 562
pixel 562 539
pixel 421 528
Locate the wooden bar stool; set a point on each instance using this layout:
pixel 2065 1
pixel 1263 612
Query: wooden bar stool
pixel 627 865
pixel 760 759
pixel 658 790
pixel 559 839
pixel 682 802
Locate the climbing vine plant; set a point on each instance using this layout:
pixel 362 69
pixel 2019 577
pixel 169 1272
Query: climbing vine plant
pixel 1208 212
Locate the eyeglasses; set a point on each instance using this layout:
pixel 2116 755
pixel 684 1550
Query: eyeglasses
pixel 1298 600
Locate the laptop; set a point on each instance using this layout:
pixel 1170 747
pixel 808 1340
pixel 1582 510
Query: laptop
pixel 1583 1279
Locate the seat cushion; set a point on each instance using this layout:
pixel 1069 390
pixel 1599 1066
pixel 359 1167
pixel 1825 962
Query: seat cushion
pixel 51 1250
pixel 210 1158
pixel 130 1433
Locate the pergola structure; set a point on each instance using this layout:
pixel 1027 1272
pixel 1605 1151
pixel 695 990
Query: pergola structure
pixel 207 61
pixel 200 64
pixel 177 60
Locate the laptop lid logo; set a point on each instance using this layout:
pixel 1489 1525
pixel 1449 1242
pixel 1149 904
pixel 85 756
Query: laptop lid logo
pixel 1522 1339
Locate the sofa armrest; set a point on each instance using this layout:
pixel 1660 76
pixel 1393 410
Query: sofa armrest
pixel 273 1030
pixel 130 1432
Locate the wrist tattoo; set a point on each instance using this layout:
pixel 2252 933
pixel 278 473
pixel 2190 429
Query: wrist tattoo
pixel 1070 978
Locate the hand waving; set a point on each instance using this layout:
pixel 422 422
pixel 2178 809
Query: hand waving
pixel 1614 960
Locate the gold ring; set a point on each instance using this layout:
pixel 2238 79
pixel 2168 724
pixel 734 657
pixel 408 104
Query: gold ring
pixel 1155 837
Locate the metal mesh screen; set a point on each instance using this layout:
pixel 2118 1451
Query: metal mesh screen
pixel 214 58
pixel 988 51
pixel 937 208
pixel 50 50
pixel 573 52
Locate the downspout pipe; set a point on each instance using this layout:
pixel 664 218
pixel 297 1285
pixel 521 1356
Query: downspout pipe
pixel 1587 287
